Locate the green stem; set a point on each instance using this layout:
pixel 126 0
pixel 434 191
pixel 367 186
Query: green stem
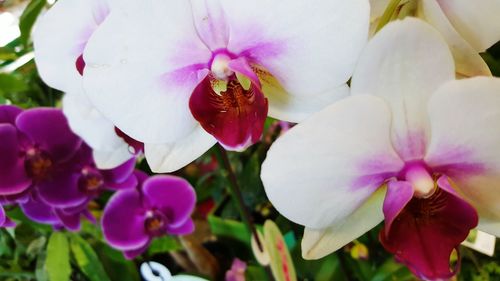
pixel 236 193
pixel 388 13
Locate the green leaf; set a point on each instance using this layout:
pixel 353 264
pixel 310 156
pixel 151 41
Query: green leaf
pixel 12 83
pixel 40 272
pixel 28 18
pixel 7 54
pixel 229 228
pixel 164 245
pixel 57 263
pixel 87 259
pixel 117 267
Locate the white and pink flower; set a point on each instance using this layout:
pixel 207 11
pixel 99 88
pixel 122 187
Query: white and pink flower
pixel 177 68
pixel 411 144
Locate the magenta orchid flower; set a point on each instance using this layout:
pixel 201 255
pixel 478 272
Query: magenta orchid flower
pixel 412 145
pixel 195 69
pixel 161 205
pixel 465 25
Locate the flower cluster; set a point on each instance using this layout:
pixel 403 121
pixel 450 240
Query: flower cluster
pixel 49 172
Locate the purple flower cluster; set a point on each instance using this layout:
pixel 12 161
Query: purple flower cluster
pixel 50 173
pixel 48 170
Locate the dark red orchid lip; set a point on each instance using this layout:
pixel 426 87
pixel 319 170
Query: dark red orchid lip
pixel 234 117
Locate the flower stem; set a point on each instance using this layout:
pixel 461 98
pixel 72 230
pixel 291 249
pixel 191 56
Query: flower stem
pixel 388 13
pixel 236 193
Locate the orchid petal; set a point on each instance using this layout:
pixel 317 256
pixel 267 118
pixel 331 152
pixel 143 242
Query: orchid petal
pixel 170 157
pixel 111 159
pixel 37 210
pixel 49 129
pixel 491 226
pixel 184 229
pixel 397 65
pixel 62 190
pixel 173 195
pixel 468 62
pixel 296 42
pixel 399 193
pixel 319 243
pixel 13 177
pixel 84 119
pixel 210 21
pixel 9 113
pixel 348 156
pixel 144 89
pixel 123 221
pixel 73 21
pixel 295 109
pixel 469 154
pixel 473 21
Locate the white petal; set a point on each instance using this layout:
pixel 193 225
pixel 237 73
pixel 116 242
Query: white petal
pixel 490 226
pixel 142 66
pixel 60 37
pixel 170 157
pixel 309 46
pixel 321 242
pixel 290 108
pixel 476 21
pixel 88 123
pixel 465 143
pixel 325 168
pixel 468 62
pixel 404 64
pixel 106 160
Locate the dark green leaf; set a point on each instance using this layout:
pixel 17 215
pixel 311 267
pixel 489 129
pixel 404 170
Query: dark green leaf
pixel 28 18
pixel 57 262
pixel 87 259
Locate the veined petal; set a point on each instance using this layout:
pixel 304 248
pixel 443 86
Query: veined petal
pixel 325 168
pixel 460 148
pixel 235 117
pixel 309 46
pixel 87 122
pixel 295 109
pixel 144 89
pixel 318 243
pixel 73 22
pixel 404 64
pixel 473 20
pixel 211 24
pixel 170 157
pixel 427 230
pixel 467 60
